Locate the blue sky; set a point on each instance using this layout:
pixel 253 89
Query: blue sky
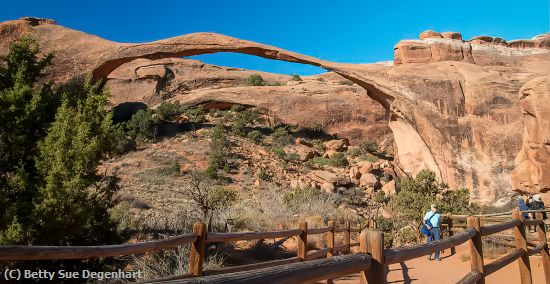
pixel 342 31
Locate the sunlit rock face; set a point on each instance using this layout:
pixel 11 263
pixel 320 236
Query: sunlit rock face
pixel 532 173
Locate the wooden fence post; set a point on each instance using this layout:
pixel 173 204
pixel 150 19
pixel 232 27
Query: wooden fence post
pixel 330 239
pixel 476 248
pixel 372 242
pixel 451 233
pixel 541 229
pixel 330 244
pixel 302 242
pixel 347 237
pixel 521 243
pixel 197 249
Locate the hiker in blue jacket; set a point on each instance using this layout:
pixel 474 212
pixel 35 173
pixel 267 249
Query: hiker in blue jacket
pixel 432 220
pixel 523 207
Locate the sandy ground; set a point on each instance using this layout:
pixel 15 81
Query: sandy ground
pixel 450 270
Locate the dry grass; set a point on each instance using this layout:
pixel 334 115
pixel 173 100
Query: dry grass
pixel 170 263
pixel 494 247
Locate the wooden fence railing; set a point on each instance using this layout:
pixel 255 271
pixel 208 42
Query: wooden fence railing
pixel 199 240
pixel 521 253
pixel 310 266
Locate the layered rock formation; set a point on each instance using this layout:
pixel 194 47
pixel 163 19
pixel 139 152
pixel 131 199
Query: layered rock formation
pixel 452 104
pixel 532 173
pixel 481 50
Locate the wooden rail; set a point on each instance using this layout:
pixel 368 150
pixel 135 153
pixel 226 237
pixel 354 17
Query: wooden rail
pixel 248 236
pixel 14 253
pixel 199 240
pixel 318 231
pixel 327 263
pixel 503 261
pixel 497 228
pixel 396 255
pixel 303 272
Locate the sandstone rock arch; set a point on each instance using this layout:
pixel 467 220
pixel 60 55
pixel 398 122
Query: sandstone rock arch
pixel 414 153
pixel 207 43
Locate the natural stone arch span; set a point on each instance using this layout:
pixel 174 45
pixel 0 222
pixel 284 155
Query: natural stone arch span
pixel 207 43
pixel 412 151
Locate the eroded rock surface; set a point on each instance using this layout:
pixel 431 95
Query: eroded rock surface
pixel 532 173
pixel 481 50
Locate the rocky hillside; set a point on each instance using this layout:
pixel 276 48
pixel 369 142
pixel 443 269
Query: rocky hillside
pixel 154 177
pixel 453 105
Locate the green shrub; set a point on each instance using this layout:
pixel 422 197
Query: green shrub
pixel 221 197
pixel 279 152
pixel 244 119
pixel 295 77
pixel 320 79
pixel 355 152
pixel 169 110
pixel 255 80
pixel 227 115
pixel 281 137
pixel 196 114
pixel 370 146
pixel 218 148
pixel 388 226
pixel 415 196
pixel 369 158
pixel 457 202
pixel 318 145
pixel 121 141
pixel 338 160
pixel 263 175
pixel 346 82
pixel 211 172
pixel 237 108
pixel 256 136
pixel 142 126
pixel 380 197
pixel 238 127
pixel 175 168
pixel 210 199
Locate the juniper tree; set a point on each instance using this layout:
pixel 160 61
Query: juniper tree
pixel 50 147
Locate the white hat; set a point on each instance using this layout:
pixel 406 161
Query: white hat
pixel 536 197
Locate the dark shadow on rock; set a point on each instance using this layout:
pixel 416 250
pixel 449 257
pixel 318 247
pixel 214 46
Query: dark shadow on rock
pixel 314 134
pixel 124 111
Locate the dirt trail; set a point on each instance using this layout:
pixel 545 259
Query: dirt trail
pixel 450 270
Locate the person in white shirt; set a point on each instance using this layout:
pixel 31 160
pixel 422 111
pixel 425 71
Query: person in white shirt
pixel 432 220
